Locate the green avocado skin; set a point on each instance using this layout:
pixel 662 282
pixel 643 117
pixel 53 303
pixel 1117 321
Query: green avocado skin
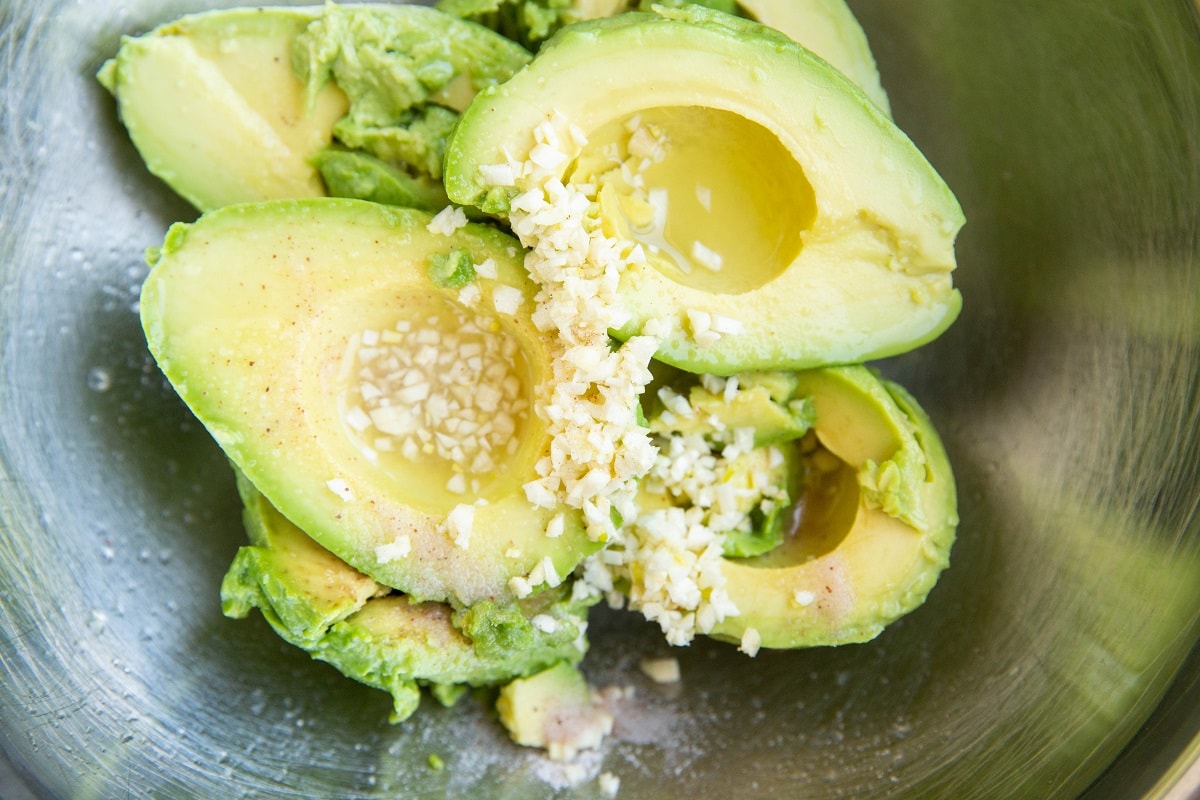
pixel 383 639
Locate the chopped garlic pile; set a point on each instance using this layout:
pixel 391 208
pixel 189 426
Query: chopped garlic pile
pixel 670 557
pixel 598 449
pixel 447 386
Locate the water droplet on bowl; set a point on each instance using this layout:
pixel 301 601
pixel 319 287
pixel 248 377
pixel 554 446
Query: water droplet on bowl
pixel 99 379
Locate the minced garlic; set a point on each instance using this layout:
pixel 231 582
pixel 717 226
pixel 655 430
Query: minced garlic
pixel 670 557
pixel 447 221
pixel 445 386
pixel 387 553
pixel 751 641
pixel 598 449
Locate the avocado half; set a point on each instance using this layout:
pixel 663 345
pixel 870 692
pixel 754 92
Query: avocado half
pixel 836 235
pixel 874 532
pixel 265 316
pixel 237 105
pixel 215 111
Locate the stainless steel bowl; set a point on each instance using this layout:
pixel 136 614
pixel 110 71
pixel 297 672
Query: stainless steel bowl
pixel 1057 657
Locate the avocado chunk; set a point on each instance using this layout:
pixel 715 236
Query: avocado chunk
pixel 301 587
pixel 354 174
pixel 555 710
pixel 827 27
pixel 212 106
pixel 761 402
pixel 700 418
pixel 388 417
pixel 773 217
pixel 323 605
pixel 830 29
pixel 872 532
pixel 530 21
pixel 234 106
pixel 407 70
pixel 399 645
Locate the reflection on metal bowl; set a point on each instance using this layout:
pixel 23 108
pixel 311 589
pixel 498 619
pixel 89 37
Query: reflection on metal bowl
pixel 1056 658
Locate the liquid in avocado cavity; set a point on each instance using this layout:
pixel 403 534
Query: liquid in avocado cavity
pixel 439 399
pixel 715 198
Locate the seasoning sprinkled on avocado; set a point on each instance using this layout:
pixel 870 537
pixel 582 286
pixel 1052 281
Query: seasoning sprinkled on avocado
pixel 588 324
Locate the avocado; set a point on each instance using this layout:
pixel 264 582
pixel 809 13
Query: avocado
pixel 233 106
pixel 286 327
pixel 354 174
pixel 556 710
pixel 785 221
pixel 761 482
pixel 830 29
pixel 398 645
pixel 321 604
pixel 705 414
pixel 212 105
pixel 750 405
pixel 767 520
pixel 726 6
pixel 301 587
pixel 872 532
pixel 530 22
pixel 407 70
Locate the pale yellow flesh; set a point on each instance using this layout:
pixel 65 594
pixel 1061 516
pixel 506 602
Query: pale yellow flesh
pixel 249 312
pixel 728 188
pixel 847 569
pixel 216 112
pixel 254 322
pixel 422 481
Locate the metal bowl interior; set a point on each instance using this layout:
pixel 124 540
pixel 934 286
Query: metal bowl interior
pixel 1058 653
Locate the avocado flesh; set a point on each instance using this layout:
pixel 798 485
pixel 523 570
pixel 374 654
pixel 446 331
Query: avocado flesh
pixel 554 709
pixel 357 175
pixel 213 108
pixel 323 605
pixel 773 419
pixel 830 29
pixel 255 313
pixel 859 558
pixel 301 587
pixel 860 270
pixel 397 645
pixel 407 71
pixel 530 22
pixel 232 106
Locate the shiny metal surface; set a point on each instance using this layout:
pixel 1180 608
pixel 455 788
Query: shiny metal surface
pixel 1053 656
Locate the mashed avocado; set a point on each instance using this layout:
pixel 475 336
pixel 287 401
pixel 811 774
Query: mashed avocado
pixel 406 75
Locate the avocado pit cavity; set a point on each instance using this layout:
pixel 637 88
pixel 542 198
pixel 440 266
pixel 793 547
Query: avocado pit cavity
pixel 439 400
pixel 821 516
pixel 715 199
